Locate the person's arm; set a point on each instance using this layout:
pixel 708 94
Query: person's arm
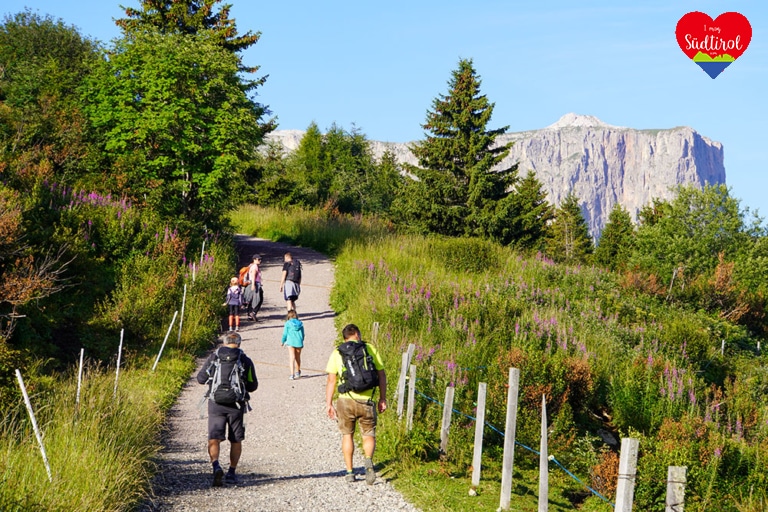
pixel 252 276
pixel 382 391
pixel 202 375
pixel 282 281
pixel 251 381
pixel 285 334
pixel 330 388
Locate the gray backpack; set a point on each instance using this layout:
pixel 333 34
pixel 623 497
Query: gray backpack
pixel 226 377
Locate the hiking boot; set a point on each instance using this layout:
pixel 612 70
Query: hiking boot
pixel 231 478
pixel 218 476
pixel 350 477
pixel 370 474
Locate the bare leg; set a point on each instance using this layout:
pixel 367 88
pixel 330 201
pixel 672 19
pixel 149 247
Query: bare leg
pixel 292 359
pixel 235 450
pixel 297 356
pixel 369 446
pixel 348 449
pixel 213 449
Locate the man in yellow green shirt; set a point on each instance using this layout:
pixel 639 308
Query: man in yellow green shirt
pixel 355 407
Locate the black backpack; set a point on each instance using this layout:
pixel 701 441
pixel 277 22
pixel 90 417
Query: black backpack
pixel 359 373
pixel 294 272
pixel 226 376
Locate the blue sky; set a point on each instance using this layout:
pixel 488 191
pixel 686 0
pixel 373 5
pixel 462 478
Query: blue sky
pixel 380 65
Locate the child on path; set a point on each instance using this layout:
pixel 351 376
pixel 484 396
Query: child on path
pixel 233 302
pixel 293 336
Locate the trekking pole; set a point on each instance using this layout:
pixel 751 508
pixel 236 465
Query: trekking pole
pixel 34 423
pixel 166 339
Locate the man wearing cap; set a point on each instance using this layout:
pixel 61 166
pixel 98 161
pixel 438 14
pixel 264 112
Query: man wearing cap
pixel 226 417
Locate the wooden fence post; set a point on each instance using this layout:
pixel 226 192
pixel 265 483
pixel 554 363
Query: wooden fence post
pixel 477 455
pixel 173 321
pixel 375 335
pixel 181 319
pixel 34 423
pixel 411 398
pixel 625 488
pixel 79 380
pixel 509 438
pixel 119 355
pixel 446 424
pixel 406 361
pixel 676 488
pixel 543 460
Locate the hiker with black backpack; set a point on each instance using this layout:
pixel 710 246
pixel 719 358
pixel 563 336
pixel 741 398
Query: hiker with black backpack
pixel 359 370
pixel 230 376
pixel 290 284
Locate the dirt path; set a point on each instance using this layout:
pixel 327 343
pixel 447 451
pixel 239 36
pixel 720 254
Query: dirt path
pixel 291 456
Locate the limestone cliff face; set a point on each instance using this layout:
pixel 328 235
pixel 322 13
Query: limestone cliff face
pixel 602 164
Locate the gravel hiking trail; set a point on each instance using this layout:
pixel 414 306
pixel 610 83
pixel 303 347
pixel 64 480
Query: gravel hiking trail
pixel 291 457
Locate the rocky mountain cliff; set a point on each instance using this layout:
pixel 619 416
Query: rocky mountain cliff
pixel 602 164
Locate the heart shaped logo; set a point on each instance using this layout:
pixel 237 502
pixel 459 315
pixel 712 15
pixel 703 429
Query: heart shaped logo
pixel 713 44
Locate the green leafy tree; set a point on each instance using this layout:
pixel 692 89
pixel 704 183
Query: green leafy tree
pixel 691 231
pixel 569 240
pixel 458 189
pixel 337 170
pixel 383 184
pixel 42 135
pixel 307 169
pixel 533 213
pixel 617 240
pixel 176 123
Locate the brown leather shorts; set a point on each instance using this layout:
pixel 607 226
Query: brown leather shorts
pixel 349 412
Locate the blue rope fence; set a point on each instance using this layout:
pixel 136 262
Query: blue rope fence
pixel 551 457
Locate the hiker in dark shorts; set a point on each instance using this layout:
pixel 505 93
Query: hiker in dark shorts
pixel 288 287
pixel 227 418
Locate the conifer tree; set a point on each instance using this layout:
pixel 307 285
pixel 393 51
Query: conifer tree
pixel 569 240
pixel 617 239
pixel 189 17
pixel 534 212
pixel 458 190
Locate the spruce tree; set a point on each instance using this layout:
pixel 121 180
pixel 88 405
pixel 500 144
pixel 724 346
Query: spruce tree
pixel 617 239
pixel 458 189
pixel 569 240
pixel 189 17
pixel 533 214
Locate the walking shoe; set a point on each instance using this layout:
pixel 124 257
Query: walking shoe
pixel 231 478
pixel 218 476
pixel 237 329
pixel 297 375
pixel 370 474
pixel 350 477
pixel 291 377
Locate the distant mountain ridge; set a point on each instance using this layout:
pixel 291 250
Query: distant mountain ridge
pixel 603 164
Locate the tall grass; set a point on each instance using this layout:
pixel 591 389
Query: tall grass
pixel 605 356
pixel 101 453
pixel 323 231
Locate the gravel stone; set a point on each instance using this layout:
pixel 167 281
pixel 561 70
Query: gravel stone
pixel 291 457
